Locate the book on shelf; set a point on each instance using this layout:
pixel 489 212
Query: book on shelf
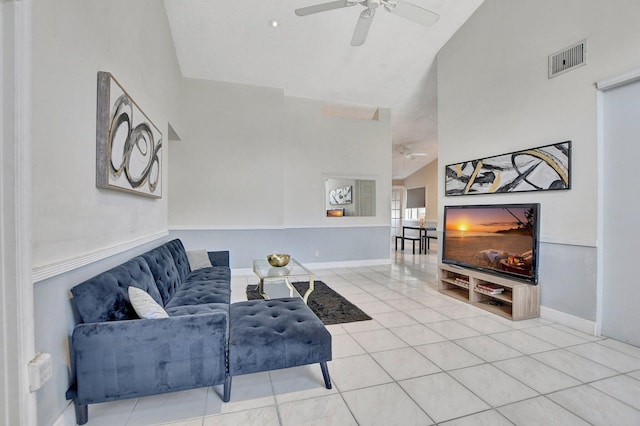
pixel 462 281
pixel 491 293
pixel 490 288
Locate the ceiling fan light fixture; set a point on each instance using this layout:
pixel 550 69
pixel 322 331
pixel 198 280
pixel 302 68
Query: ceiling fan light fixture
pixel 406 153
pixel 389 4
pixel 402 8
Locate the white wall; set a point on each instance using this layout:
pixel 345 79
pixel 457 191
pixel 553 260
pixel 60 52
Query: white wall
pixel 320 146
pixel 228 168
pixel 72 41
pixel 248 175
pixel 495 97
pixel 255 158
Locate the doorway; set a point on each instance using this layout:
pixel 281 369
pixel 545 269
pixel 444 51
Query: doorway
pixel 619 201
pixel 396 212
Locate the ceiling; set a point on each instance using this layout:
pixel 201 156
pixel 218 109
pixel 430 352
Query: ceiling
pixel 312 57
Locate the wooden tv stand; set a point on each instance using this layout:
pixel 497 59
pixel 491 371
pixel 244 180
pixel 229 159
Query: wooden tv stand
pixel 517 301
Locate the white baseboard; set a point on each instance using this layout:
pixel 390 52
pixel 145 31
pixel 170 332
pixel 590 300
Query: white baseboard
pixel 326 265
pixel 348 264
pixel 67 418
pixel 571 321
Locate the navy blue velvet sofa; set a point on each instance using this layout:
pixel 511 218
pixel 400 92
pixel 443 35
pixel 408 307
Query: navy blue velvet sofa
pixel 117 355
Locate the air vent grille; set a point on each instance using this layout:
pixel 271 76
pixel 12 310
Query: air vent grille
pixel 568 59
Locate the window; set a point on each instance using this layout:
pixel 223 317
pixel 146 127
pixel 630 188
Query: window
pixel 416 205
pixel 415 213
pixel 416 198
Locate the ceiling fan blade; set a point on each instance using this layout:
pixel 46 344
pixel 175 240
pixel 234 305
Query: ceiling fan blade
pixel 323 7
pixel 414 13
pixel 362 27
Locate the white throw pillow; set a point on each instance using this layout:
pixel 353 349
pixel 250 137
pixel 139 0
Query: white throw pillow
pixel 198 259
pixel 144 305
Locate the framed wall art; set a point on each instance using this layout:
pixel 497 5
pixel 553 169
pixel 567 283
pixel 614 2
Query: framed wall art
pixel 128 144
pixel 341 196
pixel 544 168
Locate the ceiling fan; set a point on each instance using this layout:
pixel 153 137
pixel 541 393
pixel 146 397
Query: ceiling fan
pixel 405 152
pixel 401 8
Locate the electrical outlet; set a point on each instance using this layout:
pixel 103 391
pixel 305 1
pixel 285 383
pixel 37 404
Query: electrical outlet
pixel 40 371
pixel 317 254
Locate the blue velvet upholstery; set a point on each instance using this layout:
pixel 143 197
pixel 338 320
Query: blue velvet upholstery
pixel 219 273
pixel 105 297
pixel 199 292
pixel 272 334
pixel 219 258
pixel 164 271
pixel 176 248
pixel 126 359
pixel 116 355
pixel 175 311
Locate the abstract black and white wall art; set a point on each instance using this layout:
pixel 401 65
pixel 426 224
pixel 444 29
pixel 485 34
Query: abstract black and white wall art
pixel 128 147
pixel 545 168
pixel 341 196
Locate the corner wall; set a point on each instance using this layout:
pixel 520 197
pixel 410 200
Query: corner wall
pixel 255 162
pixel 494 97
pixel 72 41
pixel 17 403
pixel 73 222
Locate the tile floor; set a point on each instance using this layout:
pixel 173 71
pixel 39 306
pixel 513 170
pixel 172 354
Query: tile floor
pixel 424 359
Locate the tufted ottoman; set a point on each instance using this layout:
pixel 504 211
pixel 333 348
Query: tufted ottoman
pixel 272 334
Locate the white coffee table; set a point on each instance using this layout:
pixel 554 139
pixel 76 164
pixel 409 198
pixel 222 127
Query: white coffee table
pixel 272 279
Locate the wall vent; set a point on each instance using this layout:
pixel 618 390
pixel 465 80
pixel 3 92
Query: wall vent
pixel 568 59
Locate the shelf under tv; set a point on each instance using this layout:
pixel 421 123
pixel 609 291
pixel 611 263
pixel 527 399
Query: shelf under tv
pixel 517 301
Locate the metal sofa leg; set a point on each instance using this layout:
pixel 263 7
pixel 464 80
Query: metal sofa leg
pixel 227 389
pixel 325 374
pixel 82 413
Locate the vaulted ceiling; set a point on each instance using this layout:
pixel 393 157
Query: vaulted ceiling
pixel 312 57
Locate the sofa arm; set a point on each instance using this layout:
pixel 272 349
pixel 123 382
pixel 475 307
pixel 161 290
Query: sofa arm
pixel 219 258
pixel 126 359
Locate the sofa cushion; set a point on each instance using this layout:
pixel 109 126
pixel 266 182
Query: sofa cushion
pixel 144 305
pixel 271 334
pixel 198 259
pixel 164 270
pixel 105 296
pixel 204 308
pixel 219 258
pixel 201 292
pixel 179 257
pixel 213 273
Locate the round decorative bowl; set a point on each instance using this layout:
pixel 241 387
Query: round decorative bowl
pixel 278 259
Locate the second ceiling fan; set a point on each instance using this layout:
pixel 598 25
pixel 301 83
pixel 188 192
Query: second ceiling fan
pixel 401 8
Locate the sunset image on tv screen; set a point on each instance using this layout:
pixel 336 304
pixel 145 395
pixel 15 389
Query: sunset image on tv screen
pixel 498 238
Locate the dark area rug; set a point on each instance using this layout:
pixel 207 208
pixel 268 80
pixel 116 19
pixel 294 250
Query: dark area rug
pixel 328 305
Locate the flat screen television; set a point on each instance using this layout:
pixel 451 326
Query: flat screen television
pixel 500 239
